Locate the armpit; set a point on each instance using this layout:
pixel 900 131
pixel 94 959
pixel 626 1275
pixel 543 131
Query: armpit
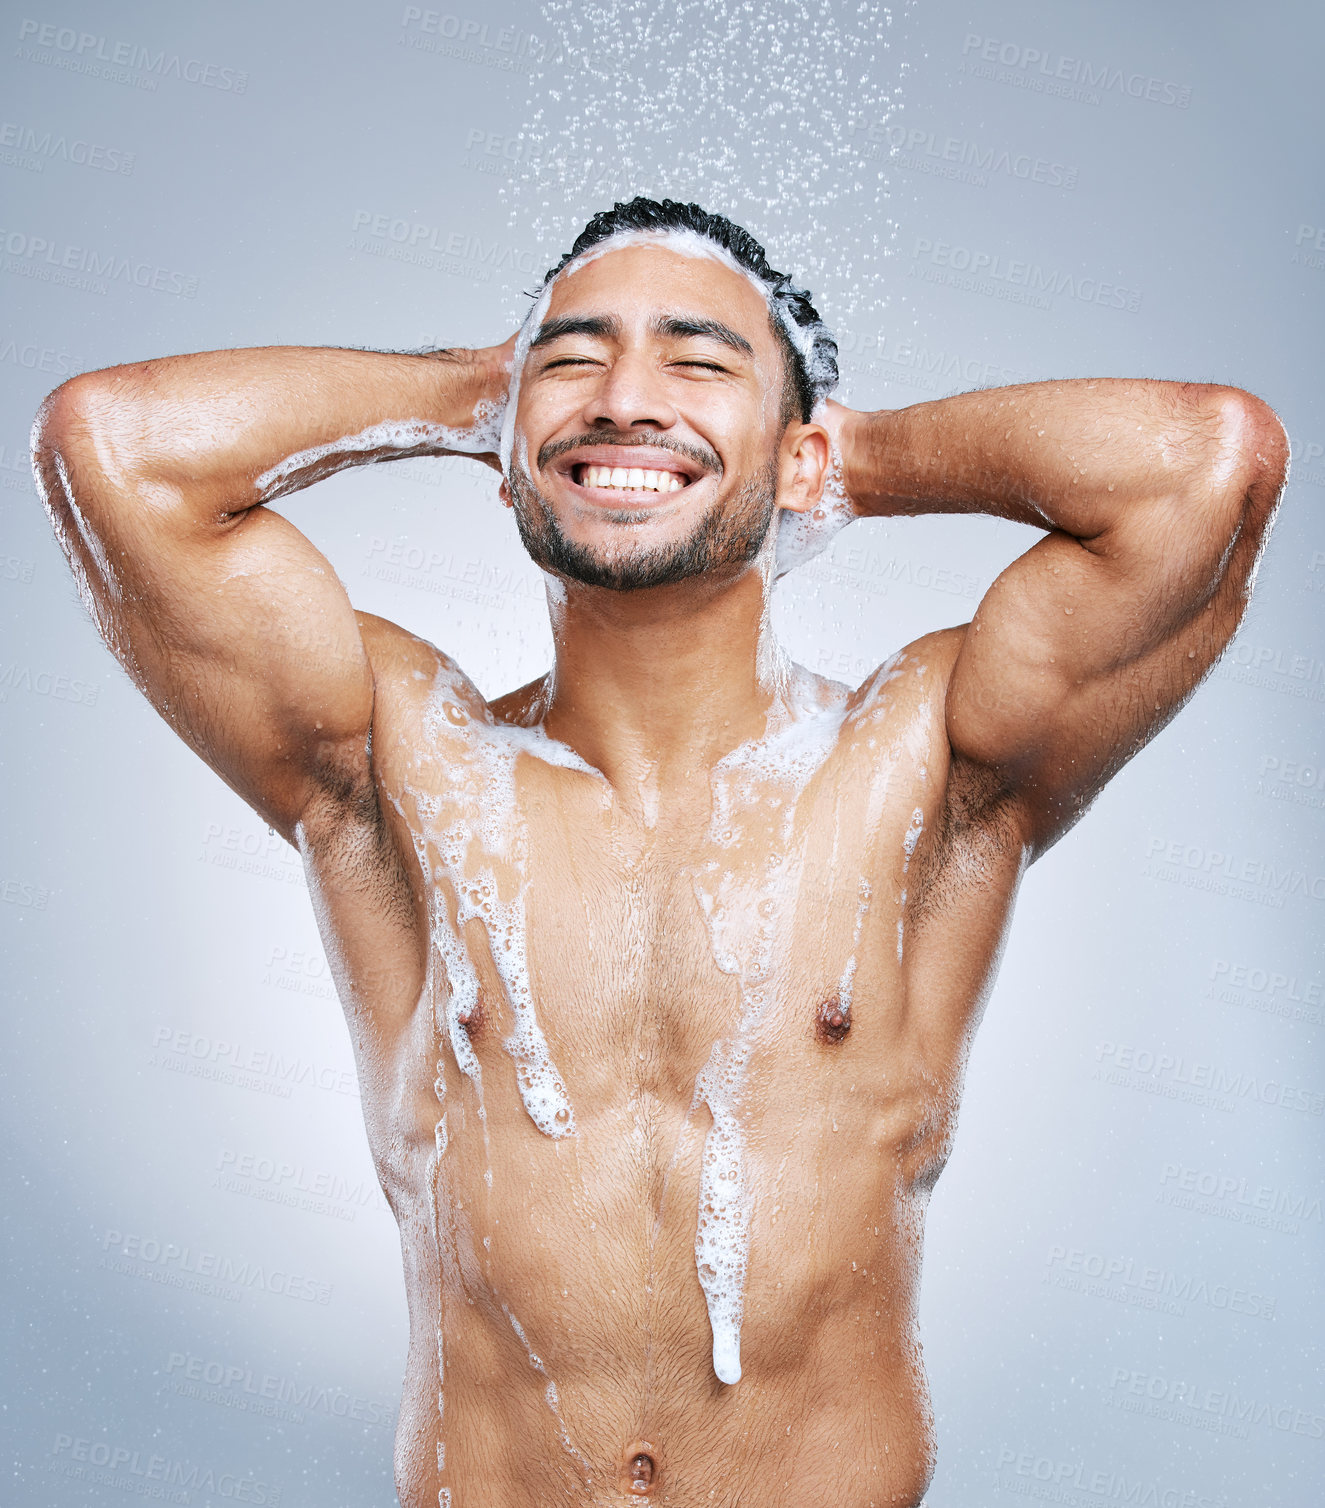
pixel 980 835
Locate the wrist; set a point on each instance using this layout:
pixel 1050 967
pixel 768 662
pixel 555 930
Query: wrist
pixel 861 441
pixel 492 366
pixel 462 380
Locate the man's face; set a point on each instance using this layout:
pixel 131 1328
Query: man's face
pixel 649 439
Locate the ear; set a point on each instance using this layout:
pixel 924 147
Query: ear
pixel 803 467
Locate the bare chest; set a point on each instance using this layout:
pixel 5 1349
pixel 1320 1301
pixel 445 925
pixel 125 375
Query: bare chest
pixel 588 939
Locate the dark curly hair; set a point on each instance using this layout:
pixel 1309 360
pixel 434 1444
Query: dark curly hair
pixel 809 350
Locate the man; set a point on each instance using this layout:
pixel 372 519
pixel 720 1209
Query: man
pixel 661 971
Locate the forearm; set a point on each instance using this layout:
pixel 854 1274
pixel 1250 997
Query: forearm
pixel 222 431
pixel 1076 456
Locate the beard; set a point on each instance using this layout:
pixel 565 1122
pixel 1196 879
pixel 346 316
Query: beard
pixel 730 534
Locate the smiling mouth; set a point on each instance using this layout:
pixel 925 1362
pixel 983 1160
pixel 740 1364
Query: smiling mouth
pixel 627 478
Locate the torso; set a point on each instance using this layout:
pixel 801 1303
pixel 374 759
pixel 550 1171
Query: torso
pixel 746 1004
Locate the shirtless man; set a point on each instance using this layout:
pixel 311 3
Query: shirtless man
pixel 661 972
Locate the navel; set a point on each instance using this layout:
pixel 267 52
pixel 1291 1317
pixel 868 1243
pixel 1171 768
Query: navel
pixel 833 1020
pixel 641 1472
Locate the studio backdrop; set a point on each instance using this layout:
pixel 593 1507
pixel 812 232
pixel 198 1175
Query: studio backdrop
pixel 1122 1298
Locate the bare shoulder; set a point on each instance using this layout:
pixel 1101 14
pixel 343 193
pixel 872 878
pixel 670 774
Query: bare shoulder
pixel 419 695
pixel 913 683
pixel 408 671
pixel 394 651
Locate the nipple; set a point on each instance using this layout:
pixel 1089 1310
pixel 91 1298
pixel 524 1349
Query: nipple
pixel 833 1021
pixel 473 1016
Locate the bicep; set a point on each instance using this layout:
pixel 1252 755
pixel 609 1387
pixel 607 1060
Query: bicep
pixel 234 626
pixel 1082 650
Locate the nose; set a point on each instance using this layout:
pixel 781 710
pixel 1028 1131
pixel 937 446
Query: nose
pixel 630 395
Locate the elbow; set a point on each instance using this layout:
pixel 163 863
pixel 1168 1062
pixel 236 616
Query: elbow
pixel 58 430
pixel 60 421
pixel 86 425
pixel 1249 461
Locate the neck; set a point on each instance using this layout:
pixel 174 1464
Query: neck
pixel 654 686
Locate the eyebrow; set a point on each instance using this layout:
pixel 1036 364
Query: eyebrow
pixel 681 326
pixel 673 326
pixel 600 326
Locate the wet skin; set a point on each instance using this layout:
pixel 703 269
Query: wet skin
pixel 555 1301
pixel 589 1242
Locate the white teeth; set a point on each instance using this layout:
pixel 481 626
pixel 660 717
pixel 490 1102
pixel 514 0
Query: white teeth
pixel 634 478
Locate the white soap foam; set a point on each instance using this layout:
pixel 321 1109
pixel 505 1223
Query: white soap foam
pixel 846 984
pixel 690 243
pixel 909 841
pixel 479 839
pixel 529 328
pixel 550 1397
pixel 802 536
pixel 748 903
pixel 684 242
pixel 746 889
pixel 401 438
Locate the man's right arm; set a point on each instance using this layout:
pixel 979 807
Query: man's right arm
pixel 229 620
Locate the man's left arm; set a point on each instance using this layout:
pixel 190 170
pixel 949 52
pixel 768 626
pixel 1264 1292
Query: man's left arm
pixel 1158 498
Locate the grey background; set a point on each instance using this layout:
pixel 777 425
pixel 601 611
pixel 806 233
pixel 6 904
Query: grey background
pixel 236 1328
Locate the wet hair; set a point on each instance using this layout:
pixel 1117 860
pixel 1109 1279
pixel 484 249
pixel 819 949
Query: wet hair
pixel 809 350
